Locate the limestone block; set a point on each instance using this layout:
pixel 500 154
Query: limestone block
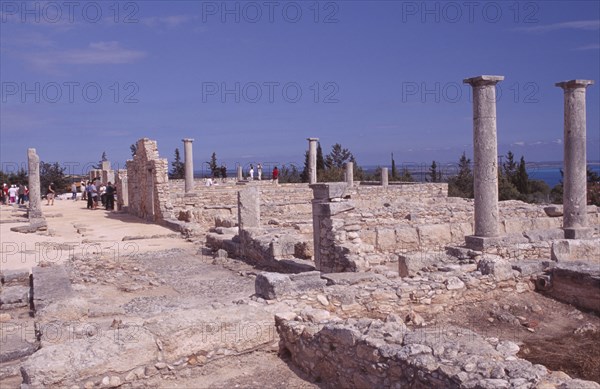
pixel 407 239
pixel 65 364
pixel 434 235
pixel 575 249
pixel 554 210
pixel 232 330
pixel 410 264
pixel 386 239
pixel 500 268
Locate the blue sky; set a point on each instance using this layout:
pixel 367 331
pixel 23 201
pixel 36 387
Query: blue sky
pixel 252 80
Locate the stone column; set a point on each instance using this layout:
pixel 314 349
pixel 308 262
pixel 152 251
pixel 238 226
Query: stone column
pixel 240 173
pixel 575 160
pixel 35 197
pixel 350 173
pixel 248 208
pixel 384 177
pixel 189 165
pixel 485 151
pixel 312 160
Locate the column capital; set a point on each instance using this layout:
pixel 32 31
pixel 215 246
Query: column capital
pixel 185 140
pixel 312 139
pixel 483 80
pixel 573 84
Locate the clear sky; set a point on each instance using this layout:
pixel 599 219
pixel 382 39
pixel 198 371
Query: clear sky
pixel 252 80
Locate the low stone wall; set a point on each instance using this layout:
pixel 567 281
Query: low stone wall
pixel 375 354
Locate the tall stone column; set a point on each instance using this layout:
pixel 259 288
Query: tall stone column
pixel 575 160
pixel 35 197
pixel 240 173
pixel 189 164
pixel 350 173
pixel 384 177
pixel 485 152
pixel 312 160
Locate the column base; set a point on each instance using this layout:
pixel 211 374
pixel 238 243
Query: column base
pixel 481 243
pixel 578 233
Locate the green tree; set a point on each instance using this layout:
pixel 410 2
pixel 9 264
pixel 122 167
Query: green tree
pixel 509 168
pixel 406 176
pixel 394 173
pixel 304 175
pixel 320 160
pixel 289 175
pixel 338 157
pixel 53 173
pixel 461 185
pixel 177 167
pixel 133 149
pixel 506 189
pixel 593 187
pixel 434 174
pixel 213 165
pixel 18 177
pixel 521 180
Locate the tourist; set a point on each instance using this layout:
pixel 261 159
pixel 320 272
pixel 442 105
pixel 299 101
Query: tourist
pixel 94 194
pixel 275 175
pixel 251 172
pixel 223 173
pixel 4 194
pixel 51 193
pixel 110 197
pixel 88 192
pixel 259 171
pixel 74 191
pixel 21 193
pixel 83 189
pixel 12 194
pixel 208 181
pixel 26 193
pixel 102 190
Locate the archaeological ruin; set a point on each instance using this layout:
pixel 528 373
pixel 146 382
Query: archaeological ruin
pixel 325 284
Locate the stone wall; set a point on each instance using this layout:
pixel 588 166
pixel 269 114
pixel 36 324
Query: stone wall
pixel 355 335
pixel 121 184
pixel 368 226
pixel 148 183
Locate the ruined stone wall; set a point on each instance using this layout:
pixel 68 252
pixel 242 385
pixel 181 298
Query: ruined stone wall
pixel 122 189
pixel 148 183
pixel 283 204
pixel 330 344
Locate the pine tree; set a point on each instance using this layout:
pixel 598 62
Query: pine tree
pixel 213 166
pixel 338 157
pixel 320 160
pixel 461 185
pixel 434 175
pixel 510 167
pixel 304 175
pixel 406 176
pixel 178 167
pixel 522 178
pixel 133 149
pixel 394 171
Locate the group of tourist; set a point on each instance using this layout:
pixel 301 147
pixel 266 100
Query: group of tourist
pixel 96 192
pixel 14 194
pixel 259 170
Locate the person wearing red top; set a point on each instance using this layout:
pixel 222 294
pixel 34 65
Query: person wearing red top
pixel 275 175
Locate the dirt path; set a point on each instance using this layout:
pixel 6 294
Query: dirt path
pixel 73 229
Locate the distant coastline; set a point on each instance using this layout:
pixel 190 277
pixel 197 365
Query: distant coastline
pixel 548 171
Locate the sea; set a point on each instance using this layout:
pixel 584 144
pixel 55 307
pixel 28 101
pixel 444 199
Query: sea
pixel 548 172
